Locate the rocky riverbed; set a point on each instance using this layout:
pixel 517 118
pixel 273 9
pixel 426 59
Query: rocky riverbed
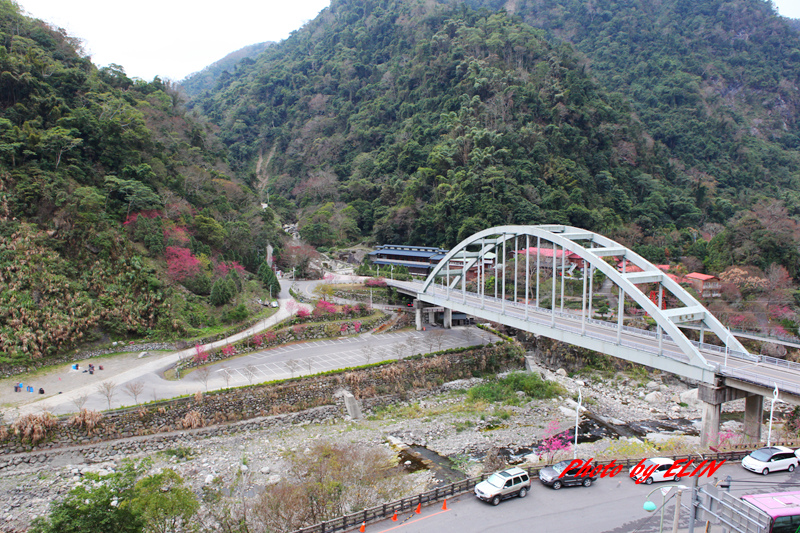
pixel 441 421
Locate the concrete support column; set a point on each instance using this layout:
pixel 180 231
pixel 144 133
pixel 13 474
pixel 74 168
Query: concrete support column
pixel 448 318
pixel 712 397
pixel 753 416
pixel 418 317
pixel 710 433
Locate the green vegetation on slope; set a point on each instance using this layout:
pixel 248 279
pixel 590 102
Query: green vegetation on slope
pixel 117 212
pixel 390 120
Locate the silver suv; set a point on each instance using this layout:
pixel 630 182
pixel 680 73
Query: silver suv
pixel 504 484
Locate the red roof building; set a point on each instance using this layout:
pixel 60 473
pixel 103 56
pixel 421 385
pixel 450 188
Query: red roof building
pixel 706 285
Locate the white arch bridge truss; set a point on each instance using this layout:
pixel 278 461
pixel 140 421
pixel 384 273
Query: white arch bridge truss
pixel 527 296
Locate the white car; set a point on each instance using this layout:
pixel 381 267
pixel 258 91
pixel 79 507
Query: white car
pixel 273 304
pixel 505 484
pixel 662 465
pixel 771 459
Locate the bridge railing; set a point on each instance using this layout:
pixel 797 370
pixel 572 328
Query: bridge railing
pixel 518 310
pixel 758 379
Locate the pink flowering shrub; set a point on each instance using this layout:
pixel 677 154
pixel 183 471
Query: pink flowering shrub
pixel 271 337
pixel 323 308
pixel 222 268
pixel 181 264
pixel 303 313
pixel 554 442
pixel 258 340
pixel 372 282
pixel 228 350
pixel 357 326
pixel 151 213
pixel 200 355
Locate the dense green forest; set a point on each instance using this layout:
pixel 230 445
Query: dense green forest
pixel 118 213
pixel 398 121
pixel 388 120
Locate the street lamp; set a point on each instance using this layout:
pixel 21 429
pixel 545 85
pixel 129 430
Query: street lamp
pixel 649 506
pixel 577 418
pixel 727 349
pixel 771 409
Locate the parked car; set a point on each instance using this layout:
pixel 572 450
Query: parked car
pixel 273 304
pixel 662 465
pixel 771 459
pixel 552 476
pixel 504 484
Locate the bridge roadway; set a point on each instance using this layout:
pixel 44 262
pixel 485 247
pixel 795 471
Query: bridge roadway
pixel 748 372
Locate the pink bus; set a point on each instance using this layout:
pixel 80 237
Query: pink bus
pixel 783 508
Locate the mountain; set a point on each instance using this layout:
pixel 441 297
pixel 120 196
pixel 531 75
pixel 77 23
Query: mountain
pixel 399 121
pixel 118 213
pixel 422 123
pixel 206 79
pixel 717 82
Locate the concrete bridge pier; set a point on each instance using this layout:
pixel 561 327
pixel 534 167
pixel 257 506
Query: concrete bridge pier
pixel 753 416
pixel 418 314
pixel 713 396
pixel 448 318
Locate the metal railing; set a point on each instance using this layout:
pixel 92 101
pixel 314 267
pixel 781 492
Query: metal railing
pixel 387 510
pixel 545 315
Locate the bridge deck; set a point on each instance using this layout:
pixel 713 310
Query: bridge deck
pixel 603 336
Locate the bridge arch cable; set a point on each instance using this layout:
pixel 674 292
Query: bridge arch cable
pixel 493 244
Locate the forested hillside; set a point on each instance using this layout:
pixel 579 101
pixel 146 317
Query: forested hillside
pixel 118 214
pixel 717 82
pixel 206 79
pixel 411 122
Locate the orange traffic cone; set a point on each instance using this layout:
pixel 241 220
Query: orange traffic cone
pixel 394 517
pixel 444 505
pixel 363 527
pixel 419 508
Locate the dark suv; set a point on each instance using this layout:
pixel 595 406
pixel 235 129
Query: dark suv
pixel 550 476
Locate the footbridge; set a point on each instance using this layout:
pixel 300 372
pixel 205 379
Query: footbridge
pixel 547 280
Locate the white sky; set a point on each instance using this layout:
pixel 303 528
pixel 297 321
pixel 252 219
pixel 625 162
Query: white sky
pixel 174 38
pixel 171 38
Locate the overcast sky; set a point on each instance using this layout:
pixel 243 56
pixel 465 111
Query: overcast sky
pixel 174 38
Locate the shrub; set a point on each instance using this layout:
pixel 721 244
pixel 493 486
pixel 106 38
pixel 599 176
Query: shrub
pixel 34 427
pixel 505 389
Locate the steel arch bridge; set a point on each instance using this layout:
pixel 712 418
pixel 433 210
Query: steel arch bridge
pixel 569 251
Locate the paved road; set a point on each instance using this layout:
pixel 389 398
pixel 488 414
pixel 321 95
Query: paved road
pixel 319 356
pixel 609 506
pixel 278 363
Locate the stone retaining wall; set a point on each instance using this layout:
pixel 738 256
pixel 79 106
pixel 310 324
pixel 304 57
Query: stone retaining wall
pixel 290 396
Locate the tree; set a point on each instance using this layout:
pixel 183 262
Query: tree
pixel 58 141
pixel 98 504
pixel 222 292
pixel 269 279
pixel 80 401
pixel 203 374
pixel 107 389
pixel 164 503
pixel 134 389
pixel 137 195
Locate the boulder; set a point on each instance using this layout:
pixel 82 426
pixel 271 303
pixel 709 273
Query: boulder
pixel 561 372
pixel 654 397
pixel 689 397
